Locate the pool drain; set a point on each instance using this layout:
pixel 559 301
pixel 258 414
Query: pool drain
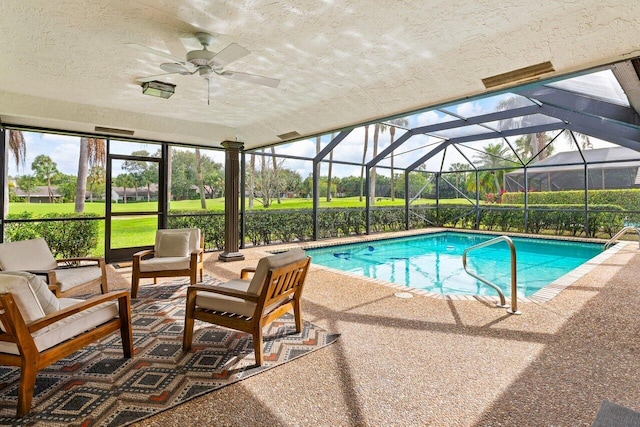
pixel 404 295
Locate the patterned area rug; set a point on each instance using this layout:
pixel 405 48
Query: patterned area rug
pixel 97 386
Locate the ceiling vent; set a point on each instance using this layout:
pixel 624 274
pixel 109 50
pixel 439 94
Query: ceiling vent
pixel 114 130
pixel 521 75
pixel 289 135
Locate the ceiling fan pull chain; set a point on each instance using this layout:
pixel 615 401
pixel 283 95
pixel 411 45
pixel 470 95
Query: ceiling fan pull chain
pixel 208 92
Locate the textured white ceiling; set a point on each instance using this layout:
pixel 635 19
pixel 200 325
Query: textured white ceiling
pixel 65 64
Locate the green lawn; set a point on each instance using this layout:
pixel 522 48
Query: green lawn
pixel 212 205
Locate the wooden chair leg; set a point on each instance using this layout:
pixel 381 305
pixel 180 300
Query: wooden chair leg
pixel 297 311
pixel 155 280
pixel 28 374
pixel 187 336
pixel 126 332
pixel 258 346
pixel 104 287
pixel 135 282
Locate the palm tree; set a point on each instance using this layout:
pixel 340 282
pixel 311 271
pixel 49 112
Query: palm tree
pixel 276 174
pixel 26 183
pixel 538 140
pixel 526 146
pixel 364 157
pixel 583 140
pixel 18 147
pixel 379 127
pixel 169 173
pixel 96 176
pixel 252 179
pixel 459 174
pixel 203 199
pixel 494 156
pixel 45 169
pixel 92 153
pixel 392 137
pixel 124 180
pixel 333 135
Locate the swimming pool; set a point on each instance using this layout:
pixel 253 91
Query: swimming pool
pixel 433 262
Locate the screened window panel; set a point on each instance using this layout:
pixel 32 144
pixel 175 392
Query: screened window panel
pixel 601 85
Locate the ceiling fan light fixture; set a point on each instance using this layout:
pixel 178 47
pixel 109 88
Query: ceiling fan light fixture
pixel 158 88
pixel 200 57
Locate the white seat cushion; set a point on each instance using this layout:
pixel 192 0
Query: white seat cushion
pixel 31 254
pixel 224 303
pixel 69 327
pixel 164 264
pixel 71 277
pixel 213 301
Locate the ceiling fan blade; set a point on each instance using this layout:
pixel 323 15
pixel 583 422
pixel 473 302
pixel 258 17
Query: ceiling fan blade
pixel 251 78
pixel 229 54
pixel 156 77
pixel 172 67
pixel 156 52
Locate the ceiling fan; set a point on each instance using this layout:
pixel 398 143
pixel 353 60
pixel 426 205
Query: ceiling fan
pixel 206 63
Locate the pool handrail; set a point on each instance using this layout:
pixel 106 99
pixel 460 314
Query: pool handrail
pixel 619 234
pixel 514 280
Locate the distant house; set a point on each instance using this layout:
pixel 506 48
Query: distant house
pixel 39 194
pixel 141 194
pixel 609 168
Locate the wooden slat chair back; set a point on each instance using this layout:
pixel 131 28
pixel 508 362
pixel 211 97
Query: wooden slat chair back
pixel 279 292
pixel 34 342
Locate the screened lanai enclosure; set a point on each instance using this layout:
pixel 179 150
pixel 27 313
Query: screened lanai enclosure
pixel 553 157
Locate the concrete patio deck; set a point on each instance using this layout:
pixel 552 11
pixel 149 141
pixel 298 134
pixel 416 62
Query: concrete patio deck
pixel 438 362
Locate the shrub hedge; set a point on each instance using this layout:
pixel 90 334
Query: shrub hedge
pixel 211 225
pixel 80 237
pixel 66 239
pixel 628 199
pixel 559 219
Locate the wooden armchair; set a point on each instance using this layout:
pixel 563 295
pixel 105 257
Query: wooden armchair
pixel 248 305
pixel 177 252
pixel 38 329
pixel 61 275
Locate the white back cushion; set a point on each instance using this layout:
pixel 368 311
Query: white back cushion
pixel 194 239
pixel 31 254
pixel 174 244
pixel 25 298
pixel 273 261
pixel 46 298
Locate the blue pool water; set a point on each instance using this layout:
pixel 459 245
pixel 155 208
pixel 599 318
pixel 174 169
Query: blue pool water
pixel 433 262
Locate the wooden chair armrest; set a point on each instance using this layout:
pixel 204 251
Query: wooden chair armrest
pixel 49 275
pixel 244 273
pixel 196 254
pixel 224 291
pixel 143 253
pixel 98 260
pixel 123 296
